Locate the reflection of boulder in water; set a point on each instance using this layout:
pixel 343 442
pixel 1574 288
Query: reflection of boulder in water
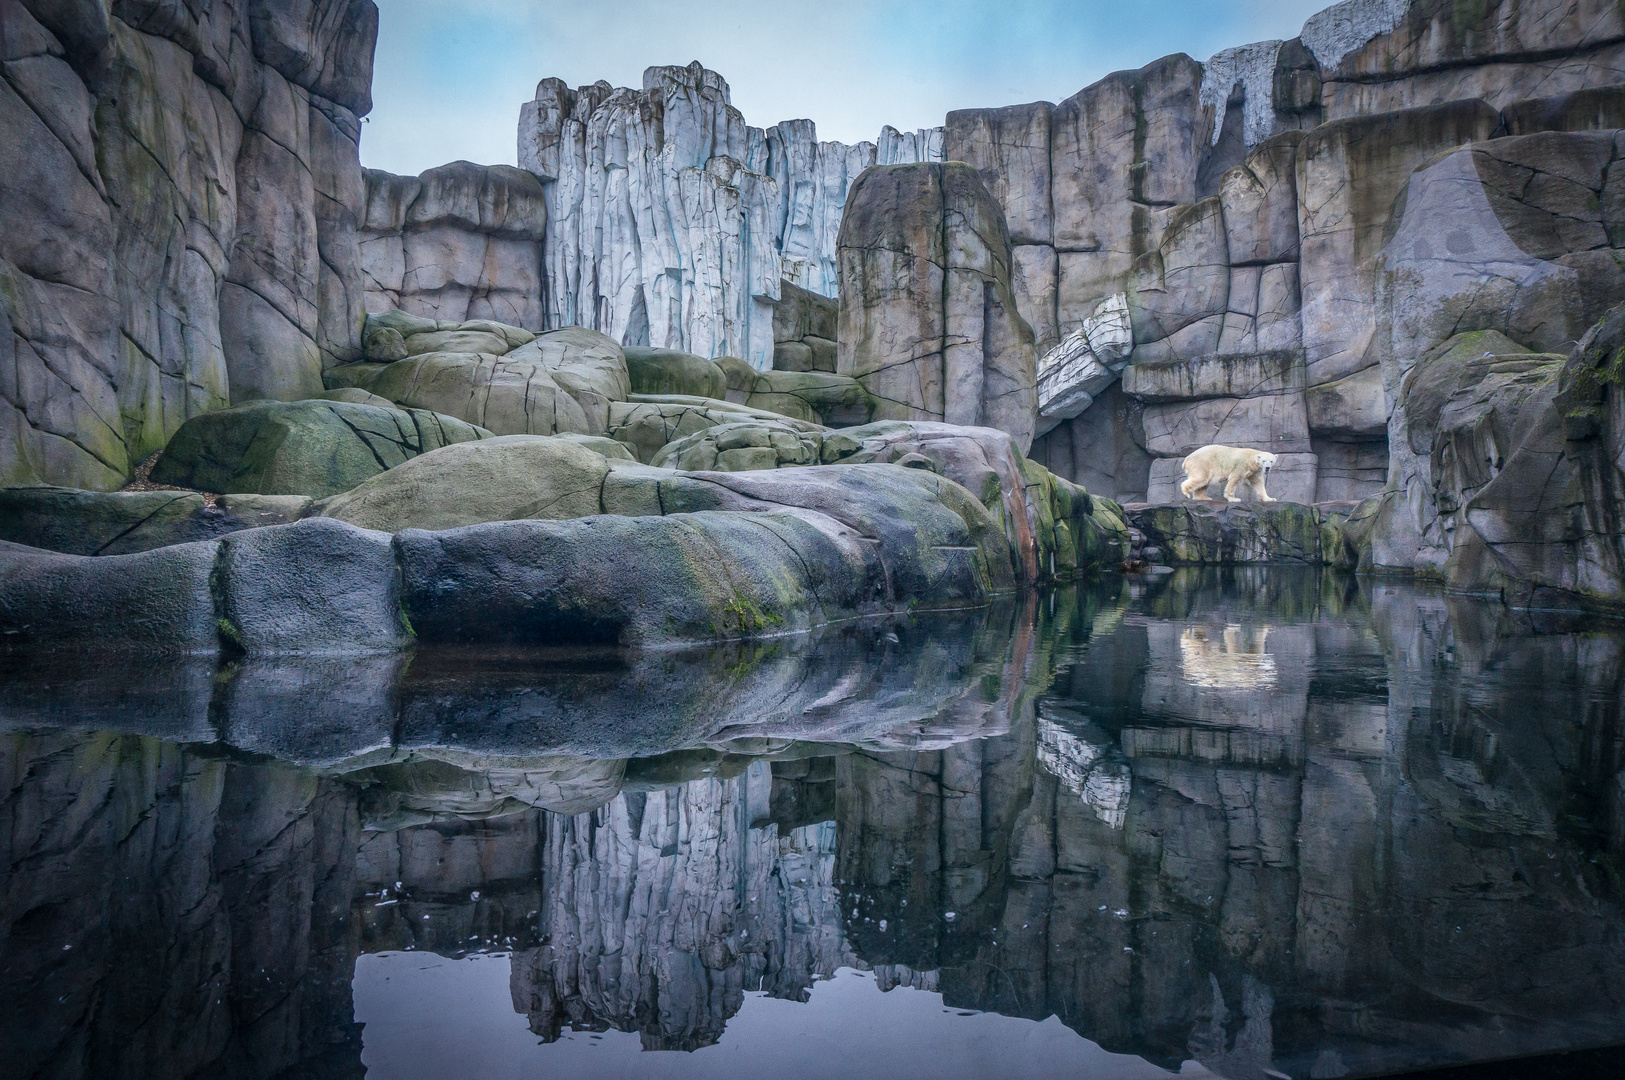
pixel 443 783
pixel 928 680
pixel 1234 658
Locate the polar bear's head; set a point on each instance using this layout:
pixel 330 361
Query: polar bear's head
pixel 1265 461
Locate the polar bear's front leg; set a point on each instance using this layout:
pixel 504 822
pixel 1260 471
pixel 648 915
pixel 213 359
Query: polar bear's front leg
pixel 1230 486
pixel 1259 494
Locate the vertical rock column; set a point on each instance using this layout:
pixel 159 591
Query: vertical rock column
pixel 928 320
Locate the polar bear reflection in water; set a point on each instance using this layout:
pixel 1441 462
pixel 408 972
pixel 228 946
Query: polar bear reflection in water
pixel 1230 659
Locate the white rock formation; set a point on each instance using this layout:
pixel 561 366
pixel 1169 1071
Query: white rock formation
pixel 1253 66
pixel 1342 28
pixel 1075 372
pixel 671 221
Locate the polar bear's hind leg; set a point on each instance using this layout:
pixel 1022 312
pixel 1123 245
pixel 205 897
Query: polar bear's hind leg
pixel 1197 478
pixel 1230 486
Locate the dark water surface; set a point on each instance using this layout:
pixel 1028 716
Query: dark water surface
pixel 1247 823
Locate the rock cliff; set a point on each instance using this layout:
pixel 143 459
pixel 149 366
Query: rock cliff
pixel 673 221
pixel 1246 209
pixel 459 242
pixel 178 218
pixel 929 323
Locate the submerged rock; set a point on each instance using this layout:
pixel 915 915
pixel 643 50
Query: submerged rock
pixel 314 448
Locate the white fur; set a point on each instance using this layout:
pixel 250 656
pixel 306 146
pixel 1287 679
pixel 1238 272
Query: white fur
pixel 1232 464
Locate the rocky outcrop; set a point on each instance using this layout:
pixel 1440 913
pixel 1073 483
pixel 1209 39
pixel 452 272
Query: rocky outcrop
pixel 457 243
pixel 309 448
pixel 804 330
pixel 755 553
pixel 1085 363
pixel 1509 476
pixel 78 522
pixel 648 423
pixel 1220 534
pixel 673 222
pixel 178 220
pixel 929 323
pixel 814 397
pixel 489 374
pixel 1242 205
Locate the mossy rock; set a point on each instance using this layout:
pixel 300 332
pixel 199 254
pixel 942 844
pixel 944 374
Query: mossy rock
pixel 315 448
pixel 667 371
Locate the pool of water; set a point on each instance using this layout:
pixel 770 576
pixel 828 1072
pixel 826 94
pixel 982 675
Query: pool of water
pixel 1245 823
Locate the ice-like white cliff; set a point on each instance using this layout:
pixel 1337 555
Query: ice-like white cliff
pixel 672 221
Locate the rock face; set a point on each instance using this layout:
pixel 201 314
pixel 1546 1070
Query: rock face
pixel 929 323
pixel 804 330
pixel 492 375
pixel 310 448
pixel 1511 474
pixel 673 222
pixel 178 220
pixel 459 242
pixel 1242 205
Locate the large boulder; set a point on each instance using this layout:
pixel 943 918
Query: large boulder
pixel 788 549
pixel 314 448
pixel 460 241
pixel 650 421
pixel 1053 526
pixel 740 447
pixel 929 323
pixel 1507 478
pixel 500 377
pixel 499 479
pixel 804 330
pixel 815 396
pixel 668 371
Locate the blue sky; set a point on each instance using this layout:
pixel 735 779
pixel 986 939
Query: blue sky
pixel 450 74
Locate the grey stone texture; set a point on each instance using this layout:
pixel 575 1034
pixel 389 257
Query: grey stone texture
pixel 493 375
pixel 674 221
pixel 456 243
pixel 178 219
pixel 76 522
pixel 804 330
pixel 929 324
pixel 310 448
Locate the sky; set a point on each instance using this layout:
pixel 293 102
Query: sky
pixel 450 75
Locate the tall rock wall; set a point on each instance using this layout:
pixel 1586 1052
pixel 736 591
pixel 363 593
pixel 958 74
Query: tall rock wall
pixel 459 242
pixel 178 218
pixel 673 221
pixel 1243 207
pixel 928 319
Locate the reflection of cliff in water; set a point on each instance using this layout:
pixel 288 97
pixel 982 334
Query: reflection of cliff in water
pixel 1400 848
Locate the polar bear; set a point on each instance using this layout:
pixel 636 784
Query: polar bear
pixel 1232 464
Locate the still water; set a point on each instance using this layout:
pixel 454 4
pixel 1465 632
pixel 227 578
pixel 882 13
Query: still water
pixel 1245 823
